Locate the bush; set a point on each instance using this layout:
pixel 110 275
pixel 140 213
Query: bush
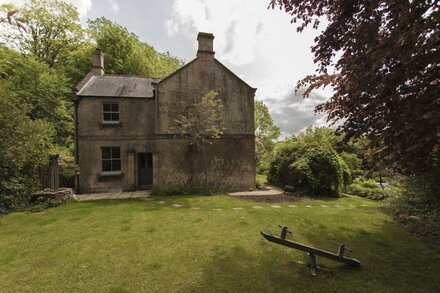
pixel 368 189
pixel 15 193
pixel 372 190
pixel 24 146
pixel 68 170
pixel 309 168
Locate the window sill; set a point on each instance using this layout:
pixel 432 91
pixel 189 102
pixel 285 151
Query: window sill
pixel 111 123
pixel 110 175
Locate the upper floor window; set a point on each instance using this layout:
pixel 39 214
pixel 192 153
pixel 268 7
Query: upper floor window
pixel 110 112
pixel 111 159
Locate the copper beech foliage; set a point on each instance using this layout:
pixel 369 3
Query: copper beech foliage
pixel 382 58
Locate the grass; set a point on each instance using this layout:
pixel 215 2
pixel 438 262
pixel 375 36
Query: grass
pixel 135 245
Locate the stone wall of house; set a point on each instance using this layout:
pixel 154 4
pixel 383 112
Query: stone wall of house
pixel 134 134
pixel 136 116
pixel 195 80
pixel 229 164
pixel 231 159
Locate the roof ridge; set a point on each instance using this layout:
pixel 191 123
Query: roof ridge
pixel 127 75
pixel 118 86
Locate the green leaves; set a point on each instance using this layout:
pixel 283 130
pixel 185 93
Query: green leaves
pixel 266 132
pixel 43 90
pixel 202 121
pixel 310 168
pixel 25 145
pixel 314 161
pixel 52 31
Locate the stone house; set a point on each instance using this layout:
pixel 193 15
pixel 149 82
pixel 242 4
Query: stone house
pixel 123 128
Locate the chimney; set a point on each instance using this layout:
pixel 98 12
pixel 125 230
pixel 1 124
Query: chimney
pixel 98 62
pixel 205 44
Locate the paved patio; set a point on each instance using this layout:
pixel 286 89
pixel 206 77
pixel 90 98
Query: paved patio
pixel 113 195
pixel 269 190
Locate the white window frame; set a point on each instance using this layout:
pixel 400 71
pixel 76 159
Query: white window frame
pixel 111 112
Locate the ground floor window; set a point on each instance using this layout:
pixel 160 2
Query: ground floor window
pixel 111 159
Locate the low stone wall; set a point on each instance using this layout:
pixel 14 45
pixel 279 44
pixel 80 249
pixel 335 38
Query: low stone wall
pixel 60 196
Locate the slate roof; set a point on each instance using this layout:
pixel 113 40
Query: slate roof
pixel 118 86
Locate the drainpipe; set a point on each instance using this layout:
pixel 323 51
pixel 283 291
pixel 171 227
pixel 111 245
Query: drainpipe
pixel 76 145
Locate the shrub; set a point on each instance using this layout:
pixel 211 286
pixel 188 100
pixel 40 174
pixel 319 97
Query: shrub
pixel 309 168
pixel 368 189
pixel 68 169
pixel 372 190
pixel 15 193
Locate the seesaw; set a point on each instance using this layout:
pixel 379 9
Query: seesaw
pixel 311 251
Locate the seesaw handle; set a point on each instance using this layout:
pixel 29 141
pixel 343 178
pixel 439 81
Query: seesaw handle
pixel 345 247
pixel 282 227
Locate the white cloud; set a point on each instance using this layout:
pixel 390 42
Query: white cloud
pixel 83 6
pixel 114 5
pixel 235 29
pixel 292 113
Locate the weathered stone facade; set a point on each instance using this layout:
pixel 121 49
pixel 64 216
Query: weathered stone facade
pixel 147 109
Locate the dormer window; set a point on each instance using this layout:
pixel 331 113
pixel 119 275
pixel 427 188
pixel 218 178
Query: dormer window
pixel 110 113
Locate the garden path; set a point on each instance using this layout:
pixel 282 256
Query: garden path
pixel 113 195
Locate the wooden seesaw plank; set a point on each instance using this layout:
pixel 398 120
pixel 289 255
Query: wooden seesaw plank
pixel 309 249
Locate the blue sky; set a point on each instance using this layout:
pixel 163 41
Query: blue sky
pixel 259 45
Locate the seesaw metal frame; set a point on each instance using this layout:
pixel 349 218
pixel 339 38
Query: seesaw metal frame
pixel 312 252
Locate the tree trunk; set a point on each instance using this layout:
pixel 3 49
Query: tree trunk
pixel 205 165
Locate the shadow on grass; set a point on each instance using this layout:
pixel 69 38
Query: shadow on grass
pixel 149 203
pixel 388 263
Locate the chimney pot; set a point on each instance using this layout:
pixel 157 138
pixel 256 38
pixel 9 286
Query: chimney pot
pixel 206 45
pixel 97 62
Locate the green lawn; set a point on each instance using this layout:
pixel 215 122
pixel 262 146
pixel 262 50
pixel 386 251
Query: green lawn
pixel 136 245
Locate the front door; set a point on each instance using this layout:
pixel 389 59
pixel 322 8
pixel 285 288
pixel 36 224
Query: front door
pixel 145 170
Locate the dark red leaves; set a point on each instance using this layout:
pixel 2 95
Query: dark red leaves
pixel 386 80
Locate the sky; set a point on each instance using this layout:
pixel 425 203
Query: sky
pixel 259 44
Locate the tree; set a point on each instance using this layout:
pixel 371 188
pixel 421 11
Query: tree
pixel 386 79
pixel 201 123
pixel 53 31
pixel 266 132
pixel 25 144
pixel 126 54
pixel 324 136
pixel 44 90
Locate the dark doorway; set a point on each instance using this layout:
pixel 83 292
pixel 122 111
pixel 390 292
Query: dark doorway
pixel 145 170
